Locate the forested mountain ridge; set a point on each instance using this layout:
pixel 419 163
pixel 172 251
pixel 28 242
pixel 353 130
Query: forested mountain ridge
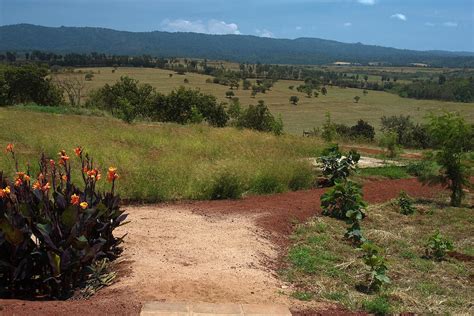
pixel 239 48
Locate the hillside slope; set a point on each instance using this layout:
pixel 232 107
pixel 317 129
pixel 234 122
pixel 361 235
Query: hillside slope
pixel 240 48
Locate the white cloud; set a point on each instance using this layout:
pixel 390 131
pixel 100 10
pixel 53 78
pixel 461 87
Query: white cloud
pixel 429 24
pixel 198 26
pixel 348 24
pixel 366 2
pixel 264 33
pixel 298 28
pixel 399 16
pixel 450 24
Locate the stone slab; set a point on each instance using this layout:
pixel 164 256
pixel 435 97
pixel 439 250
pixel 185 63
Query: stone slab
pixel 211 309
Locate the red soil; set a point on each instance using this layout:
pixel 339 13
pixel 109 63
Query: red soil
pixel 279 214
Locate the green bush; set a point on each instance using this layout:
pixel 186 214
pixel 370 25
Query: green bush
pixel 28 83
pixel 259 118
pixel 389 142
pixel 344 201
pixel 377 264
pixel 405 203
pixel 337 167
pixel 437 246
pixel 226 185
pixel 51 230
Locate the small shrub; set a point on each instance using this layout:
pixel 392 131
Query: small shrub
pixel 377 264
pixel 389 142
pixel 343 197
pixel 226 186
pixel 303 296
pixel 423 169
pixel 405 203
pixel 51 230
pixel 378 306
pixel 294 99
pixel 337 167
pixel 438 246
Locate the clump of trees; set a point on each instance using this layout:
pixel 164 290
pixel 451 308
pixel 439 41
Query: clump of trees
pixel 257 117
pixel 28 83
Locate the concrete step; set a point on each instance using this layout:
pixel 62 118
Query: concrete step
pixel 209 309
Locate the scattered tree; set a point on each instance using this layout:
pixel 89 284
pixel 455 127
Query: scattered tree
pixel 294 99
pixel 356 99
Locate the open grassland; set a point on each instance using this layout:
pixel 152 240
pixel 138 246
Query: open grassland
pixel 163 161
pixel 309 113
pixel 322 266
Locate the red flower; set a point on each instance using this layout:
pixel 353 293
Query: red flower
pixel 9 148
pixel 112 174
pixel 78 151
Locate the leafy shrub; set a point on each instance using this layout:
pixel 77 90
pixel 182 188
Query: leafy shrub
pixel 343 197
pixel 423 169
pixel 226 185
pixel 259 118
pixel 405 203
pixel 377 264
pixel 437 246
pixel 28 83
pixel 328 131
pixel 452 136
pixel 51 230
pixel 389 142
pixel 362 130
pixel 337 167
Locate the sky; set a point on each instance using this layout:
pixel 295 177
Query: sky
pixel 410 24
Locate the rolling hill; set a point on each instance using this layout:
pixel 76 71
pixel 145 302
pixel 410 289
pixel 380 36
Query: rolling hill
pixel 239 48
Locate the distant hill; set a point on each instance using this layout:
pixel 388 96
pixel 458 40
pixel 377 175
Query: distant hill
pixel 239 48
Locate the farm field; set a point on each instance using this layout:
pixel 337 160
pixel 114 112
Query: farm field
pixel 309 113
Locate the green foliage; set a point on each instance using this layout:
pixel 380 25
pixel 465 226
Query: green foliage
pixel 226 185
pixel 229 94
pixel 437 246
pixel 389 142
pixel 294 99
pixel 408 133
pixel 343 197
pixel 302 178
pixel 328 132
pixel 28 83
pixel 423 169
pixel 337 167
pixel 377 264
pixel 379 305
pixel 405 203
pixel 356 99
pixel 51 230
pixel 258 117
pixel 453 139
pixel 267 183
pixel 391 172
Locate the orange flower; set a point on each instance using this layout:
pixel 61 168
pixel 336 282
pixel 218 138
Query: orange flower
pixel 64 178
pixel 51 163
pixel 84 205
pixel 37 186
pixel 63 157
pixel 9 148
pixel 74 199
pixel 46 187
pixel 112 174
pixel 78 151
pixel 18 182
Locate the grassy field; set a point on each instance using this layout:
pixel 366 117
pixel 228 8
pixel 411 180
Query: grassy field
pixel 163 161
pixel 322 266
pixel 309 113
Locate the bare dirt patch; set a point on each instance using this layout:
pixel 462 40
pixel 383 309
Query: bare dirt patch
pixel 209 251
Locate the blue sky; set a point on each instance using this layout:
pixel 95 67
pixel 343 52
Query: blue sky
pixel 412 24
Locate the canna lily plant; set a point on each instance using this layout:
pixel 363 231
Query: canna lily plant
pixel 51 230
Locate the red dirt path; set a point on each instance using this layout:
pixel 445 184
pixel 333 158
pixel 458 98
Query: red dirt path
pixel 279 213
